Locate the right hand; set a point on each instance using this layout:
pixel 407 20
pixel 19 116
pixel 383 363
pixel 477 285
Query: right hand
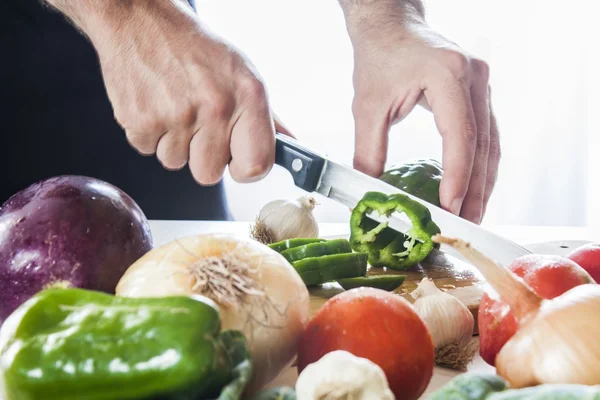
pixel 185 95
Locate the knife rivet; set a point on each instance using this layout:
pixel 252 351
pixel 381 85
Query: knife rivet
pixel 297 165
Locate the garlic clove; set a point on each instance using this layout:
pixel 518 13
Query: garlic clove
pixel 340 375
pixel 449 321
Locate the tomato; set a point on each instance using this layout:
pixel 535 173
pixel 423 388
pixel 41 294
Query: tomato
pixel 548 276
pixel 588 257
pixel 380 326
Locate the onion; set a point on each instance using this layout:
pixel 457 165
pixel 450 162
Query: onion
pixel 557 339
pixel 257 290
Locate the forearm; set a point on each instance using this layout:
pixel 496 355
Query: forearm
pixel 366 14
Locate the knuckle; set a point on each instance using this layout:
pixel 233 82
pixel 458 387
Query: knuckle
pixel 144 143
pixel 219 107
pixel 252 87
pixel 481 69
pixel 206 177
pixel 252 172
pixel 458 64
pixel 148 123
pixel 173 164
pixel 184 115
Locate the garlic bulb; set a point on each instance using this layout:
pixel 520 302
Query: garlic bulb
pixel 286 219
pixel 450 323
pixel 340 375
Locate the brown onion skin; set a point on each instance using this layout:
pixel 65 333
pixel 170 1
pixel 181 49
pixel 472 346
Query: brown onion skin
pixel 67 230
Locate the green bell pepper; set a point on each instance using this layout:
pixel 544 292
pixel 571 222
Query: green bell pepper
pixel 80 344
pixel 470 386
pixel 291 243
pixel 383 282
pixel 325 248
pixel 420 177
pixel 319 270
pixel 385 246
pixel 477 386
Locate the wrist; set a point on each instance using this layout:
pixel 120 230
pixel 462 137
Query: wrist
pixel 364 16
pixel 101 20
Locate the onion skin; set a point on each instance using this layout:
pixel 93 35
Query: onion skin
pixel 548 276
pixel 557 341
pixel 70 231
pixel 559 345
pixel 272 342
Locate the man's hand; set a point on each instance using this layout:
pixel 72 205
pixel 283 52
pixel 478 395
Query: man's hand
pixel 401 62
pixel 178 91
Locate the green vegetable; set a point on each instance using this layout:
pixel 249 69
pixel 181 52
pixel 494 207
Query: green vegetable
pixel 420 177
pixel 318 270
pixel 280 393
pixel 336 246
pixel 473 386
pixel 76 343
pixel 385 246
pixel 470 386
pixel 550 392
pixel 291 243
pixel 384 282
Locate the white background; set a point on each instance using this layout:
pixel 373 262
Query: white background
pixel 544 62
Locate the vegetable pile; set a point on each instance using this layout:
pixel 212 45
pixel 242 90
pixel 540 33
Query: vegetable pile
pixel 257 290
pixel 90 309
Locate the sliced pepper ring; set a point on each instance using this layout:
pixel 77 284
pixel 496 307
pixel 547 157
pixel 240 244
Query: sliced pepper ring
pixel 385 246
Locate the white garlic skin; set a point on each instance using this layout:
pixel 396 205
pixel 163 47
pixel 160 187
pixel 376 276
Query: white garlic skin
pixel 447 318
pixel 339 373
pixel 290 219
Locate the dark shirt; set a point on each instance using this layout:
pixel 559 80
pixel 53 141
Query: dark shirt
pixel 56 119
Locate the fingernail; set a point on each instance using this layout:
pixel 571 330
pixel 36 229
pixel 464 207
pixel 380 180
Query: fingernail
pixel 455 206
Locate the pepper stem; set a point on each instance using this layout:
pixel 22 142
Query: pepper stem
pixel 523 302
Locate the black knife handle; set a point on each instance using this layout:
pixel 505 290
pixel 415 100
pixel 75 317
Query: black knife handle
pixel 304 165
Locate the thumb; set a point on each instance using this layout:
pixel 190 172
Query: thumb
pixel 370 138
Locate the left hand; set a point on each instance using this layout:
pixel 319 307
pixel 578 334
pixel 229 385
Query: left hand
pixel 401 62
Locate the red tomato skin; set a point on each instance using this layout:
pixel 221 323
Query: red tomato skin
pixel 548 276
pixel 588 257
pixel 377 325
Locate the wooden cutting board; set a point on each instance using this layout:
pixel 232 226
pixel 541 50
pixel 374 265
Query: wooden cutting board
pixel 448 272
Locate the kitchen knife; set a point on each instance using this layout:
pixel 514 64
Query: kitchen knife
pixel 313 172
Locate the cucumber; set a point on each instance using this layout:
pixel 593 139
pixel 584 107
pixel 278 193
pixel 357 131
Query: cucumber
pixel 384 282
pixel 325 248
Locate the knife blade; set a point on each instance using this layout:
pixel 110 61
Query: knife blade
pixel 316 173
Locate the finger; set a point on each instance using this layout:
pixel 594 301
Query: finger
pixel 209 152
pixel 281 127
pixel 453 113
pixel 493 159
pixel 371 127
pixel 143 142
pixel 472 208
pixel 173 149
pixel 252 144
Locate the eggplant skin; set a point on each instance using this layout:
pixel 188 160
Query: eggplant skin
pixel 67 231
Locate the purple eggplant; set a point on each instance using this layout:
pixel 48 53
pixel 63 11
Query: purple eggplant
pixel 67 231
